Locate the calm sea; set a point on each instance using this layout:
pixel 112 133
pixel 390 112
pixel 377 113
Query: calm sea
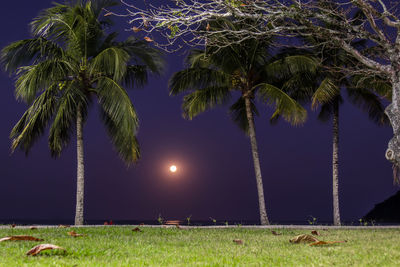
pixel 172 221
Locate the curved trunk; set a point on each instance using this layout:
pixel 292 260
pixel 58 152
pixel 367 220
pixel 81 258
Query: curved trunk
pixel 80 169
pixel 256 161
pixel 335 164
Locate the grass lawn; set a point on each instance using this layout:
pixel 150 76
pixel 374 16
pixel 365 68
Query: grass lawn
pixel 120 246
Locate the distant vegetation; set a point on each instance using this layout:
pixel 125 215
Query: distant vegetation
pixel 387 211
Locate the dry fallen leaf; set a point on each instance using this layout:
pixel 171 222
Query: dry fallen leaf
pixel 314 241
pixel 13 225
pixel 136 229
pixel 238 241
pixel 275 233
pixel 74 234
pixel 326 243
pixel 63 226
pixel 33 228
pixel 19 238
pixel 37 249
pixel 148 39
pixel 315 232
pixel 303 239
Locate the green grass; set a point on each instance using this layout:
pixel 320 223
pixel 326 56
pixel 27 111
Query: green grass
pixel 119 246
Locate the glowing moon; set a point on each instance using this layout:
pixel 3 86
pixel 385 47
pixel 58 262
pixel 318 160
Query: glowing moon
pixel 173 168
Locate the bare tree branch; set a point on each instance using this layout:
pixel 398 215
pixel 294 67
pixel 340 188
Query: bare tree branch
pixel 337 24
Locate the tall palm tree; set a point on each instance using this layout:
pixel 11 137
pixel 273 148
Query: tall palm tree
pixel 329 84
pixel 362 92
pixel 69 61
pixel 214 75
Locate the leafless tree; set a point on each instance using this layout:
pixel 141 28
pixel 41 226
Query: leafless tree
pixel 335 23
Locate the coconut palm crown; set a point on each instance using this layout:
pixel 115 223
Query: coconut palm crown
pixel 246 69
pixel 69 62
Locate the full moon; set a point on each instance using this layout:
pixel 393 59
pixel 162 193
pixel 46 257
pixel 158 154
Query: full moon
pixel 173 168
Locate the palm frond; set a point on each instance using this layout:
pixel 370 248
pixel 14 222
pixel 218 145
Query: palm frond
pixel 291 65
pixel 109 41
pixel 73 25
pixel 204 99
pixel 143 54
pixel 120 118
pixel 197 59
pixel 43 24
pixel 23 52
pixel 34 121
pixel 35 78
pixel 136 76
pixel 123 140
pixel 197 78
pixel 65 118
pixel 229 59
pixel 325 93
pixel 285 106
pixel 300 87
pixel 238 114
pixel 60 23
pixel 376 84
pixel 240 55
pixel 111 62
pixel 370 103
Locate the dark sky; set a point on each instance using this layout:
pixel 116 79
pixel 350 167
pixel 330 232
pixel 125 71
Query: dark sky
pixel 216 176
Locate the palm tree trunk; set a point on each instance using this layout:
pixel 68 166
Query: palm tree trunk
pixel 256 161
pixel 80 169
pixel 335 163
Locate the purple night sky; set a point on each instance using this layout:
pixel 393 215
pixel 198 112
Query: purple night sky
pixel 216 175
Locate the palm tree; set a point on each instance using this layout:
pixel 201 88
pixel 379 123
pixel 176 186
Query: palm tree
pixel 361 91
pixel 328 84
pixel 214 75
pixel 69 61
